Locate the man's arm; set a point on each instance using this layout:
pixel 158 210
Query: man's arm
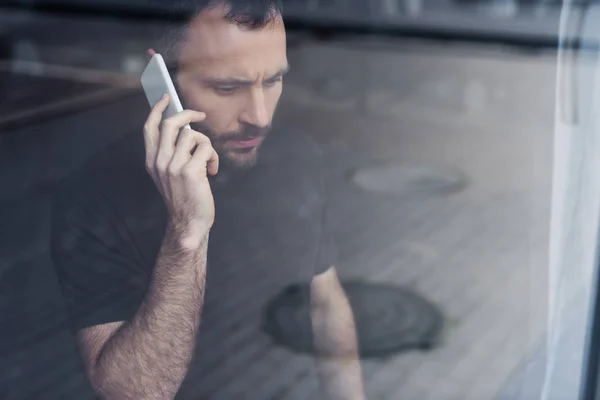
pixel 148 356
pixel 335 339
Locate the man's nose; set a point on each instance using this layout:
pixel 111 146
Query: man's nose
pixel 256 112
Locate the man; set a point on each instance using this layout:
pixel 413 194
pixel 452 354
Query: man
pixel 168 246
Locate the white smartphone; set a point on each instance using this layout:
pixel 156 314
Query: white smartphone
pixel 156 81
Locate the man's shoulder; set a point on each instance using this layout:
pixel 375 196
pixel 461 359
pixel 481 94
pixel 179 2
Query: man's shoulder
pixel 115 171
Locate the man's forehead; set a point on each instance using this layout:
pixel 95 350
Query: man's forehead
pixel 264 58
pixel 213 41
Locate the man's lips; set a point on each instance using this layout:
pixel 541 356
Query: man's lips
pixel 245 143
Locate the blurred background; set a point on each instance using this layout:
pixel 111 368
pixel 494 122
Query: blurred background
pixel 437 120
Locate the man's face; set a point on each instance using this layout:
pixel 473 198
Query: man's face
pixel 235 76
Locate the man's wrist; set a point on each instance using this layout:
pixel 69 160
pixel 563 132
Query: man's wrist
pixel 188 237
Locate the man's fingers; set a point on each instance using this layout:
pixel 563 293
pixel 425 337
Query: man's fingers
pixel 168 135
pixel 179 120
pixel 171 126
pixel 151 129
pixel 157 111
pixel 188 140
pixel 205 158
pixel 212 165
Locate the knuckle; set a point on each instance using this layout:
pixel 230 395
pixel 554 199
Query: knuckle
pixel 173 170
pixel 203 139
pixel 192 113
pixel 165 125
pixel 200 152
pixel 169 123
pixel 161 167
pixel 204 146
pixel 196 138
pixel 187 134
pixel 189 173
pixel 210 151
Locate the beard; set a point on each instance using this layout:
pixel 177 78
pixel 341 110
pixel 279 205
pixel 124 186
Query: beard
pixel 230 156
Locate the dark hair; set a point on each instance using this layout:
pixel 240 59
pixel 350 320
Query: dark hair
pixel 248 14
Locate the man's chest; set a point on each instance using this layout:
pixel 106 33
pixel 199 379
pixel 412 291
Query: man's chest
pixel 263 228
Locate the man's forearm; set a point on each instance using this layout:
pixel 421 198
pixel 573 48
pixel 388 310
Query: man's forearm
pixel 335 342
pixel 340 379
pixel 148 356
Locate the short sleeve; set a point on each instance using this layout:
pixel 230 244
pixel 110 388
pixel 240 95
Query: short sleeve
pixel 101 281
pixel 327 254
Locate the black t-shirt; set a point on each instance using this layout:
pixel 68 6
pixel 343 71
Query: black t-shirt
pixel 269 231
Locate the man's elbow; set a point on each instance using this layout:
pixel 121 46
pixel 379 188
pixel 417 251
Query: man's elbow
pixel 112 385
pixel 106 388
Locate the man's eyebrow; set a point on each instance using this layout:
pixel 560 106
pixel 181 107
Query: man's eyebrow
pixel 279 73
pixel 243 82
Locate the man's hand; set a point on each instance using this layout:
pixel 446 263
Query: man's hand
pixel 147 356
pixel 179 164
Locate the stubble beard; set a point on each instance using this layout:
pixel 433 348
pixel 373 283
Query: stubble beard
pixel 231 158
pixel 238 159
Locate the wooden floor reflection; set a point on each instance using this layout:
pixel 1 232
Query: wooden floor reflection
pixel 480 253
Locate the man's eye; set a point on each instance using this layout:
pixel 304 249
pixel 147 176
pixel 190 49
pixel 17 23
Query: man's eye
pixel 272 82
pixel 225 89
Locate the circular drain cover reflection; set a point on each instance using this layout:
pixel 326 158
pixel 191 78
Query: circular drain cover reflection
pixel 401 179
pixel 388 318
